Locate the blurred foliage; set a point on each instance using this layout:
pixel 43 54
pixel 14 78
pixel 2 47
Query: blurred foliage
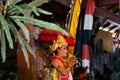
pixel 12 13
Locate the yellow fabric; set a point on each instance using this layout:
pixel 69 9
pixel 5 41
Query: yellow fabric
pixel 58 43
pixel 75 17
pixel 74 23
pixel 55 75
pixel 70 50
pixel 52 75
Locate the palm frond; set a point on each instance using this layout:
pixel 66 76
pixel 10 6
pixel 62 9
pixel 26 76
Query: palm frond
pixel 34 9
pixel 38 2
pixel 29 8
pixel 40 23
pixel 22 9
pixel 7 32
pixel 3 47
pixel 24 29
pixel 10 12
pixel 29 48
pixel 26 56
pixel 19 10
pixel 15 2
pixel 23 43
pixel 44 11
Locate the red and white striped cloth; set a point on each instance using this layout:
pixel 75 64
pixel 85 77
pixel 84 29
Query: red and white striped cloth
pixel 88 23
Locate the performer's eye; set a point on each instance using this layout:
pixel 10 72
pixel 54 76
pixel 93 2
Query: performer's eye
pixel 65 47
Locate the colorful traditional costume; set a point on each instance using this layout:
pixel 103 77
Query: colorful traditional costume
pixel 54 74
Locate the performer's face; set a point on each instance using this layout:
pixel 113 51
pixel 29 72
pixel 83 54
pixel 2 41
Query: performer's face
pixel 63 51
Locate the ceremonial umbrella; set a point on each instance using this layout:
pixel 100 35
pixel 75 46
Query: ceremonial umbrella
pixel 50 35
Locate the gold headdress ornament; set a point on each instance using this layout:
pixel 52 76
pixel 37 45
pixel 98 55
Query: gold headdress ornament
pixel 58 43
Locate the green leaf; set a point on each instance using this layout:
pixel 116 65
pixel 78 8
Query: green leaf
pixel 12 10
pixel 3 47
pixel 26 56
pixel 15 2
pixel 34 9
pixel 7 32
pixel 40 23
pixel 24 29
pixel 23 9
pixel 38 2
pixel 26 32
pixel 20 10
pixel 43 11
pixel 21 41
pixel 29 49
pixel 27 7
pixel 16 10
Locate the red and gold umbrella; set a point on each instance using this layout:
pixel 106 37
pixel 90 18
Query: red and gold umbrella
pixel 49 35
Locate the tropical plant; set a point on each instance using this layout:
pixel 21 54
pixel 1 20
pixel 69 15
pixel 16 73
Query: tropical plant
pixel 12 12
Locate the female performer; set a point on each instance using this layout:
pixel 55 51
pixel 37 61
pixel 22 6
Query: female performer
pixel 60 67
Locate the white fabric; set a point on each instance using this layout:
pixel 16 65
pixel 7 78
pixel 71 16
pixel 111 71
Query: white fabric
pixel 88 23
pixel 70 76
pixel 85 63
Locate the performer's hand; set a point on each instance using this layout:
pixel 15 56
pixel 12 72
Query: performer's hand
pixel 72 61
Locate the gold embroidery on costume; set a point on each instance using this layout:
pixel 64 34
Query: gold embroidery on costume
pixel 58 43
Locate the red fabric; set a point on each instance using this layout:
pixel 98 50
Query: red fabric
pixel 81 77
pixel 55 57
pixel 86 51
pixel 90 7
pixel 65 78
pixel 49 35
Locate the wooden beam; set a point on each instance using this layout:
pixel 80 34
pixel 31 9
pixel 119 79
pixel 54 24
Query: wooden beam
pixel 64 2
pixel 105 2
pixel 105 13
